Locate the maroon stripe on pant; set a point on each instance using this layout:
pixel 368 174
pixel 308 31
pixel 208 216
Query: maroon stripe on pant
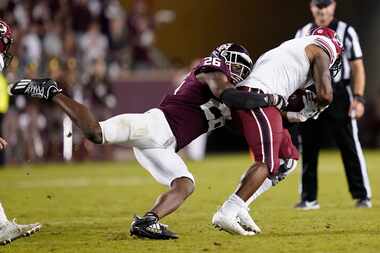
pixel 266 133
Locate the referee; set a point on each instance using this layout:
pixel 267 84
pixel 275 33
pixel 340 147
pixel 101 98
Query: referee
pixel 340 118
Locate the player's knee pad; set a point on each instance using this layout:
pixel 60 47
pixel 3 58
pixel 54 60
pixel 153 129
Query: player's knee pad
pixel 116 129
pixel 125 129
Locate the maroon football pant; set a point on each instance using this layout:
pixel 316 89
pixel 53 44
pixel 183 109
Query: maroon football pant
pixel 268 140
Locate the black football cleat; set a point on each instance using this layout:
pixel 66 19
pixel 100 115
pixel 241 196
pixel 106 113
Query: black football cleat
pixel 149 227
pixel 36 88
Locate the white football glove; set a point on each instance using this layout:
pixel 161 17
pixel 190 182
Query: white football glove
pixel 311 109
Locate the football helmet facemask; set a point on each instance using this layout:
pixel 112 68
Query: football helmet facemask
pixel 236 58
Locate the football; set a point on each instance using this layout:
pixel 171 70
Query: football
pixel 295 102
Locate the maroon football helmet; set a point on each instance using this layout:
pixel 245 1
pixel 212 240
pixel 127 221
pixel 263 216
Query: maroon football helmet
pixel 236 58
pixel 6 39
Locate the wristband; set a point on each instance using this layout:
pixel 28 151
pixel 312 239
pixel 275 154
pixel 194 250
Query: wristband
pixel 359 98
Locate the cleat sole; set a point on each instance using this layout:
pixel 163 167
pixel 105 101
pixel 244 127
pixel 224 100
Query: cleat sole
pixel 26 234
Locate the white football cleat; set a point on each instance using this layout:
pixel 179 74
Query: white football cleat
pixel 11 231
pixel 307 205
pixel 245 220
pixel 229 224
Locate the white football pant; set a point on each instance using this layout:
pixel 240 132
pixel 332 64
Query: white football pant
pixel 152 140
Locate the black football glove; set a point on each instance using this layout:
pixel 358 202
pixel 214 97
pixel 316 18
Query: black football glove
pixel 37 88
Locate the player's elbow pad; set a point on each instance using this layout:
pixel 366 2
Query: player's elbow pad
pixel 243 99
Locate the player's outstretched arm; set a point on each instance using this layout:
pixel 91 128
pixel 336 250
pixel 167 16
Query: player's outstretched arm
pixel 47 89
pixel 223 89
pixel 81 116
pixel 321 73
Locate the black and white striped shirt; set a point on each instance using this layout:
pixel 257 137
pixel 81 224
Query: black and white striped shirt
pixel 352 49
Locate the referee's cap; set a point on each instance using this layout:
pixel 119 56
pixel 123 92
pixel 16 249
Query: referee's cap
pixel 321 3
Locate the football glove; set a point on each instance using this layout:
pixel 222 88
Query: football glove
pixel 38 88
pixel 311 109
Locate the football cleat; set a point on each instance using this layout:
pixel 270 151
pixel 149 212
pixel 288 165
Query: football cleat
pixel 288 166
pixel 364 203
pixel 231 224
pixel 307 205
pixel 36 88
pixel 245 221
pixel 149 227
pixel 11 231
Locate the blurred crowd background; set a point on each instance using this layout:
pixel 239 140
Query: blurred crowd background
pixel 85 45
pixel 99 49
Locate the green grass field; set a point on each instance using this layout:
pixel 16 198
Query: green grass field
pixel 88 208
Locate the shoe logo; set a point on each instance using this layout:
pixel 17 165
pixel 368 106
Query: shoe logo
pixel 22 83
pixel 154 228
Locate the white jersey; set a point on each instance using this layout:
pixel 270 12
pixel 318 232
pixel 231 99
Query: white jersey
pixel 286 68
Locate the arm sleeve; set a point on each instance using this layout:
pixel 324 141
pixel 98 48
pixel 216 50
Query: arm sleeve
pixel 245 100
pixel 352 45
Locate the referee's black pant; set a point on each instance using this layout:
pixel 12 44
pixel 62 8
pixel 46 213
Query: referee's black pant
pixel 345 132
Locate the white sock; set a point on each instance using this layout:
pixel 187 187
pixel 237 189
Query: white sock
pixel 266 185
pixel 232 205
pixel 3 217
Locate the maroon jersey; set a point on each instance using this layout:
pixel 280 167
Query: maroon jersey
pixel 192 109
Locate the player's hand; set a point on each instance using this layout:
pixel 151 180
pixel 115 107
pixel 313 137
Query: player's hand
pixel 44 88
pixel 311 107
pixel 3 143
pixel 356 109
